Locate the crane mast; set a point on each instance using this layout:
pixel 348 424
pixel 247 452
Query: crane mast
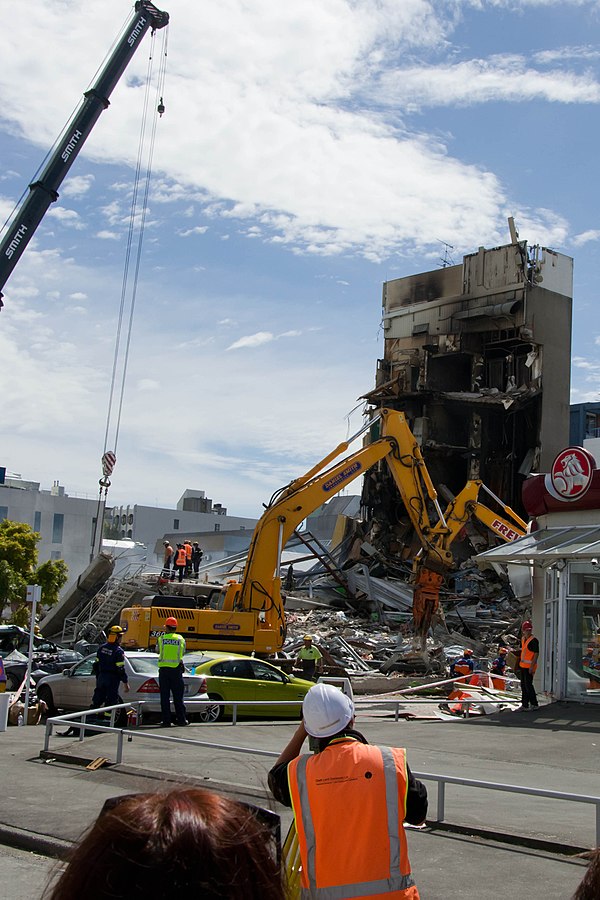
pixel 44 190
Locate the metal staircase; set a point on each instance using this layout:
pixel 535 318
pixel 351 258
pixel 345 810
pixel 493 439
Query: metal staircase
pixel 104 606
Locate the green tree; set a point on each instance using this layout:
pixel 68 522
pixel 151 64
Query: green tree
pixel 19 568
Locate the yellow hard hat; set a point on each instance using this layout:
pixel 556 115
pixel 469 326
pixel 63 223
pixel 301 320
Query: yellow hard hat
pixel 307 637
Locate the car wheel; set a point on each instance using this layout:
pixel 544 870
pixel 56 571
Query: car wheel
pixel 44 693
pixel 212 713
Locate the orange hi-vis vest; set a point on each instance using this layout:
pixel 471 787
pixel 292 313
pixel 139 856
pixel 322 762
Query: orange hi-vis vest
pixel 349 804
pixel 180 559
pixel 188 551
pixel 462 668
pixel 526 654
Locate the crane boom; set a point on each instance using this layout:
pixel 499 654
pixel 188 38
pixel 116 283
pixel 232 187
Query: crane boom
pixel 44 190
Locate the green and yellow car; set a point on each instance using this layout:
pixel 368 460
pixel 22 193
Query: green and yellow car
pixel 231 676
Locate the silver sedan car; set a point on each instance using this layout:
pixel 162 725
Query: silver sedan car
pixel 73 689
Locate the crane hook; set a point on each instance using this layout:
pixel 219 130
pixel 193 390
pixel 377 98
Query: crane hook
pixel 161 107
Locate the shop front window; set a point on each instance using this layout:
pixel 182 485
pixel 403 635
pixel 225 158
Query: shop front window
pixel 583 633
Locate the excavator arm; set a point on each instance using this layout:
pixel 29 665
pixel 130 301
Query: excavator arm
pixel 436 557
pixel 259 590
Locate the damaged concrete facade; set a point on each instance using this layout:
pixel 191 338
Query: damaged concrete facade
pixel 478 357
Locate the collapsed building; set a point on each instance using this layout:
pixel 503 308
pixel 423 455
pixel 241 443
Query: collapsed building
pixel 478 357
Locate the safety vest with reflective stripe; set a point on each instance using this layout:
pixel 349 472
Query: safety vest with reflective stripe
pixel 349 804
pixel 463 668
pixel 171 648
pixel 526 654
pixel 180 558
pixel 188 551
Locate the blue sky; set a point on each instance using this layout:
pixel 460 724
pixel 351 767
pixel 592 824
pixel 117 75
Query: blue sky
pixel 309 151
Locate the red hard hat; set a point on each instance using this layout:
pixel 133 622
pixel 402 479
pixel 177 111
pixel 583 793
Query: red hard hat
pixel 527 624
pixel 171 621
pixel 503 650
pixel 468 652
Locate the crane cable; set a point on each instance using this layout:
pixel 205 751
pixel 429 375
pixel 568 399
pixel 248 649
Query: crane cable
pixel 137 222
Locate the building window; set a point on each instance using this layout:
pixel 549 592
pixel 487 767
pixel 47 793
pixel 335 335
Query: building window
pixel 176 524
pixel 37 521
pixel 217 527
pixel 130 518
pixel 57 528
pixel 591 425
pixel 55 554
pixel 3 513
pixel 123 519
pixel 129 533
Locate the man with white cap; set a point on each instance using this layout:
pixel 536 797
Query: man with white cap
pixel 350 801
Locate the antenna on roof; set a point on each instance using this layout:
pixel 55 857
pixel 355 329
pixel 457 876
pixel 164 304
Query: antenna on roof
pixel 446 260
pixel 514 234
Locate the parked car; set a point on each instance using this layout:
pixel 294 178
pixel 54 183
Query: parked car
pixel 231 676
pixel 73 689
pixel 13 637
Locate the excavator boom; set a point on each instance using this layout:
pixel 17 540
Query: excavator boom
pixel 251 615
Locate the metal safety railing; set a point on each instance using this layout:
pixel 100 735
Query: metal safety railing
pixel 80 721
pixel 443 780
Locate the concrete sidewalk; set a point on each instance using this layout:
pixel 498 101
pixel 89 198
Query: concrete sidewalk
pixel 555 747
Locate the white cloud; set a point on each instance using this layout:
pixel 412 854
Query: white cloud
pixel 253 340
pixel 593 234
pixel 68 217
pixel 77 185
pixel 105 235
pixel 198 229
pixel 502 78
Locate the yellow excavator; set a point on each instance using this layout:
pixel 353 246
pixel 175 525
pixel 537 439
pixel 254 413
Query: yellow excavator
pixel 250 615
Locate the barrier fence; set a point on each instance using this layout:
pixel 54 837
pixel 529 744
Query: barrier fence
pixel 80 721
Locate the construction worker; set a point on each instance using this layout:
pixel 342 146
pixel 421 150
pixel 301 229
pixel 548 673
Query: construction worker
pixel 109 668
pixel 350 801
pixel 167 560
pixel 180 563
pixel 197 555
pixel 187 546
pixel 464 665
pixel 530 649
pixel 310 659
pixel 499 668
pixel 171 647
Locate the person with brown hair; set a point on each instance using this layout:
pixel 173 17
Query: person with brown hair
pixel 589 886
pixel 187 842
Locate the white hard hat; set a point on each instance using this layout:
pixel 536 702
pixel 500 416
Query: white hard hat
pixel 326 710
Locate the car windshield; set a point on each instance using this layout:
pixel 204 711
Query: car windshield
pixel 196 659
pixel 144 665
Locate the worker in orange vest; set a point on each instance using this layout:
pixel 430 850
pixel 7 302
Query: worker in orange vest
pixel 350 802
pixel 180 561
pixel 188 558
pixel 464 665
pixel 530 649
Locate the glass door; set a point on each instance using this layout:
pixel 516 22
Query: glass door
pixel 583 633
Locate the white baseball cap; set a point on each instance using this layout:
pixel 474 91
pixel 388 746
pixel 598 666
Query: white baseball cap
pixel 326 710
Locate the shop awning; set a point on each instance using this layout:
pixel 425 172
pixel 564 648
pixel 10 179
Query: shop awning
pixel 547 546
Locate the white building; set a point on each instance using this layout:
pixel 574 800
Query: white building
pixel 193 516
pixel 66 524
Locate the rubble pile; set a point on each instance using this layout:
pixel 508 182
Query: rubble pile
pixel 372 631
